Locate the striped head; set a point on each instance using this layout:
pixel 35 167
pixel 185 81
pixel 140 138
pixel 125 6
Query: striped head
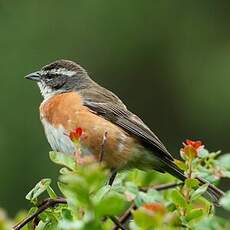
pixel 60 76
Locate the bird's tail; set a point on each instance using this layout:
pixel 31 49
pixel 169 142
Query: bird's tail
pixel 214 192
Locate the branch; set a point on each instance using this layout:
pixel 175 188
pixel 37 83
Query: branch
pixel 161 187
pixel 52 202
pixel 126 215
pixel 117 222
pixel 46 204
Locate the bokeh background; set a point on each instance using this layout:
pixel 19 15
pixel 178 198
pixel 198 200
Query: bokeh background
pixel 168 60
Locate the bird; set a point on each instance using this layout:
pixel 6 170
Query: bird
pixel 73 100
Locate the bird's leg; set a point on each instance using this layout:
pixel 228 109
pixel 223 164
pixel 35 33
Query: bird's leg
pixel 101 154
pixel 112 177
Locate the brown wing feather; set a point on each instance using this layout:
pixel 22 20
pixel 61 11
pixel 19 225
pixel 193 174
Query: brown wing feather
pixel 110 107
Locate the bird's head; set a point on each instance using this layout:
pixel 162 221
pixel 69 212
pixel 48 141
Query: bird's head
pixel 60 76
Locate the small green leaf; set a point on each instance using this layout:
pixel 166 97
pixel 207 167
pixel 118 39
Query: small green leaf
pixel 111 204
pixel 75 188
pixel 41 226
pixel 226 174
pixel 39 188
pixel 203 203
pixel 51 193
pixel 151 196
pixel 177 198
pixel 202 153
pixel 101 193
pixel 224 161
pixel 206 174
pixel 201 190
pixel 194 214
pixel 63 159
pixel 191 183
pixel 181 164
pixel 131 188
pixel 212 223
pixel 225 201
pixel 145 219
pixel 171 207
pixel 66 214
pixel 65 171
pixel 67 224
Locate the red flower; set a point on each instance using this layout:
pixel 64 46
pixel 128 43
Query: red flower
pixel 75 134
pixel 194 144
pixel 154 207
pixel 190 148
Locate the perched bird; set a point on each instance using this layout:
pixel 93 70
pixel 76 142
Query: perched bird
pixel 73 100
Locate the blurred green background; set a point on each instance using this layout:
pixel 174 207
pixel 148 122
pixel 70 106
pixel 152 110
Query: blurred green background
pixel 168 60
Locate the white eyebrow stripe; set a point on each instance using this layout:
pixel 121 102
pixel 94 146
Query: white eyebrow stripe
pixel 61 71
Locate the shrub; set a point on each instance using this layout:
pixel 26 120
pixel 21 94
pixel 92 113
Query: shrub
pixel 136 200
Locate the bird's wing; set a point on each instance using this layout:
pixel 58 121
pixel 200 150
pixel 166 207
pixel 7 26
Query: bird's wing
pixel 110 107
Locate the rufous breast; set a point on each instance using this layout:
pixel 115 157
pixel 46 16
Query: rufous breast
pixel 62 113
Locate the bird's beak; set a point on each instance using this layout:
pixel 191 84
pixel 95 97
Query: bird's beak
pixel 36 76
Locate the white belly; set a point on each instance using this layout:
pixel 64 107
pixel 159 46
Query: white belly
pixel 58 139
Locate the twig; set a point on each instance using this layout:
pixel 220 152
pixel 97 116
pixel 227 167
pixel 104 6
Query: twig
pixel 46 204
pixel 117 222
pixel 126 215
pixel 162 187
pixel 101 154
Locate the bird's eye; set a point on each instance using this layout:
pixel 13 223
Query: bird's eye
pixel 49 76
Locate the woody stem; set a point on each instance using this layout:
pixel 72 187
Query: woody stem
pixel 46 204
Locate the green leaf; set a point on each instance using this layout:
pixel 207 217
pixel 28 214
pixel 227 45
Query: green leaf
pixel 39 188
pixel 51 193
pixel 194 214
pixel 145 219
pixel 65 171
pixel 75 189
pixel 224 161
pixel 191 183
pixel 44 216
pixel 201 190
pixel 203 153
pixel 46 225
pixel 171 207
pixel 63 159
pixel 212 223
pixel 112 204
pixel 101 193
pixel 206 174
pixel 178 199
pixel 41 225
pixel 203 203
pixel 225 201
pixel 70 225
pixel 226 174
pixel 131 188
pixel 66 214
pixel 151 196
pixel 181 164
